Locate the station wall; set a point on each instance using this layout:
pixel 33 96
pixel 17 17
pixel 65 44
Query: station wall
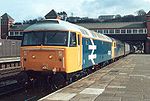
pixel 9 48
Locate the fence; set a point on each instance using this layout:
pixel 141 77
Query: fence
pixel 9 48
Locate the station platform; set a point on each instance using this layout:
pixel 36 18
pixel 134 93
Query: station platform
pixel 9 66
pixel 9 59
pixel 127 79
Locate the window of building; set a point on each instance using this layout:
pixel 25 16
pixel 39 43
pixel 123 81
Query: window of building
pixel 95 30
pixel 123 31
pixel 111 31
pixel 100 31
pixel 140 31
pixel 106 31
pixel 135 31
pixel 11 33
pixel 129 31
pixel 16 34
pixel 21 33
pixel 145 31
pixel 117 31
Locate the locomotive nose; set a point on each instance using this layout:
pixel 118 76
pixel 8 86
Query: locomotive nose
pixel 44 59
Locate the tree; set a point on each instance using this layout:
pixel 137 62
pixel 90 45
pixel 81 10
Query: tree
pixel 32 21
pixel 63 15
pixel 141 12
pixel 118 16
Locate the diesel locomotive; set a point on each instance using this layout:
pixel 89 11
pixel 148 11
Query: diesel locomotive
pixel 61 50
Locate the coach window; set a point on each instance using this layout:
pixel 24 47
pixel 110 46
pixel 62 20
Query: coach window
pixel 73 41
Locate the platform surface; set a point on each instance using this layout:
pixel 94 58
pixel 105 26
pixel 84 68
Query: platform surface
pixel 125 80
pixel 10 68
pixel 9 59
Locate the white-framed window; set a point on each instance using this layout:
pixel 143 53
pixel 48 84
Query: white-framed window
pixel 106 31
pixel 11 33
pixel 16 33
pixel 117 31
pixel 135 31
pixel 129 31
pixel 21 33
pixel 100 31
pixel 111 31
pixel 123 31
pixel 145 30
pixel 140 31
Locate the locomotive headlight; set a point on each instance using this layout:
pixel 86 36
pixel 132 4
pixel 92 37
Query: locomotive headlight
pixel 50 57
pixel 33 57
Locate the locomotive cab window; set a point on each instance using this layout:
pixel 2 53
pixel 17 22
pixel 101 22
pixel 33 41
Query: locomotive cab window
pixel 78 39
pixel 73 41
pixel 49 38
pixel 57 38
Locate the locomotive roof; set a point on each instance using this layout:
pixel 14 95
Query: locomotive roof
pixel 55 24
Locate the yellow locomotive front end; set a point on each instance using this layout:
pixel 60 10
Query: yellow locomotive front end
pixel 55 51
pixel 51 49
pixel 43 58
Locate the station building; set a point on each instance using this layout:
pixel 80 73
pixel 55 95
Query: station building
pixel 8 30
pixel 135 33
pixel 16 31
pixel 6 22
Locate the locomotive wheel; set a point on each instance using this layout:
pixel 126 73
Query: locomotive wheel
pixel 22 78
pixel 56 81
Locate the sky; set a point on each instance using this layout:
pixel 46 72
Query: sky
pixel 29 9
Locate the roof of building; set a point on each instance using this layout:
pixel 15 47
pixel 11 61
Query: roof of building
pixel 19 27
pixel 6 16
pixel 148 14
pixel 116 25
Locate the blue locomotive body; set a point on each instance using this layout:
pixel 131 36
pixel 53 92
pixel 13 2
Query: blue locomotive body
pixel 95 52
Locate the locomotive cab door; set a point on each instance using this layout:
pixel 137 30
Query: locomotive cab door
pixel 73 53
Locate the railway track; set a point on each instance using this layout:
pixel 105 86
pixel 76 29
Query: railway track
pixel 30 92
pixel 9 68
pixel 33 92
